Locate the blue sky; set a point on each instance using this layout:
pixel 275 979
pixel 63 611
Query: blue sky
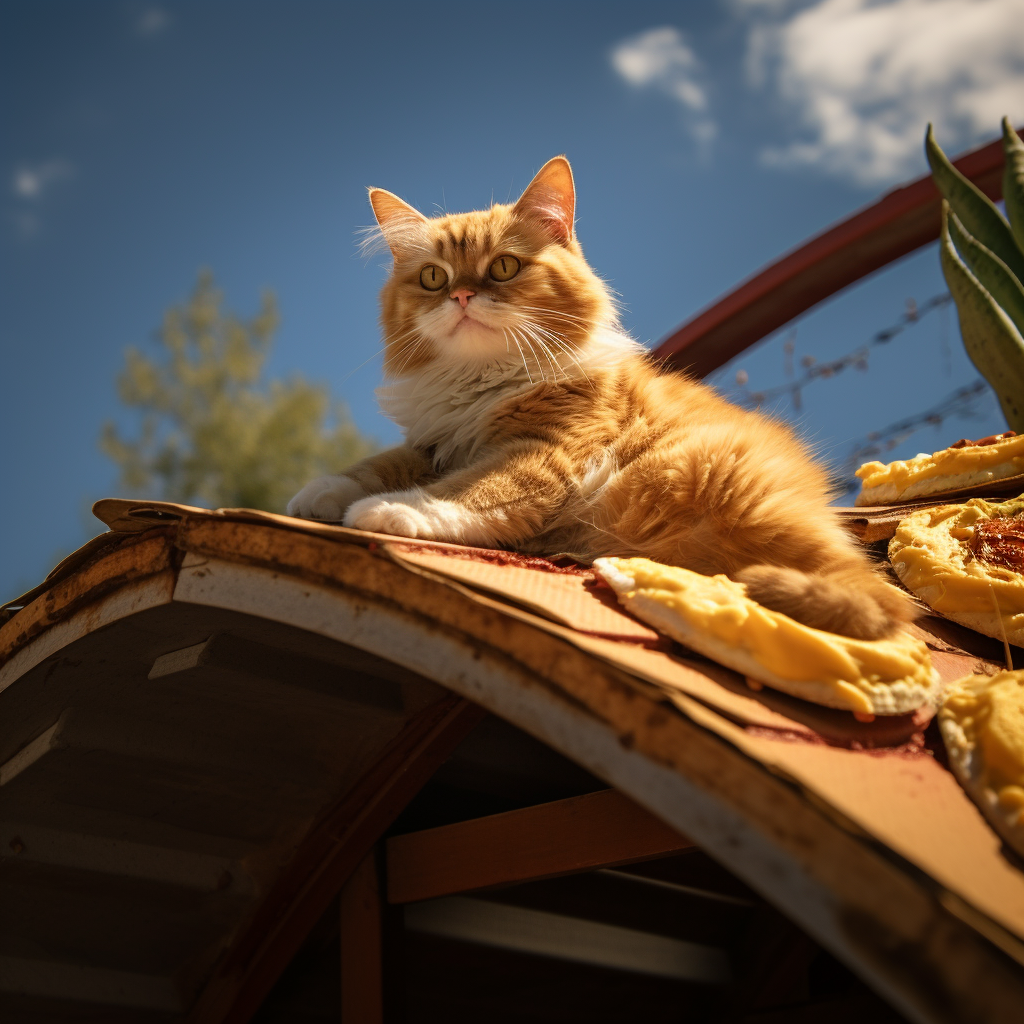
pixel 143 141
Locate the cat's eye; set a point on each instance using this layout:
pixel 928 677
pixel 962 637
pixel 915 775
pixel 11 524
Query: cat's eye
pixel 433 278
pixel 504 268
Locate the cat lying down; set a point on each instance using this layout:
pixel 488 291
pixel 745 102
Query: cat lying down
pixel 533 422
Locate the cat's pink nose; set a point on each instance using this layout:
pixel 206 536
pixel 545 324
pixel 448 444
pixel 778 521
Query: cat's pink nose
pixel 463 295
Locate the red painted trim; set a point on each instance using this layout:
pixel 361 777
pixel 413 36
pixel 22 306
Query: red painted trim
pixel 900 222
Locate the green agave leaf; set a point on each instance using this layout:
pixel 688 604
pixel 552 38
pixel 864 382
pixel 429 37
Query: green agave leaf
pixel 992 273
pixel 994 345
pixel 976 211
pixel 1013 180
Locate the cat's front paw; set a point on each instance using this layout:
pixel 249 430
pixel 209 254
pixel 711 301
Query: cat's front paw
pixel 379 515
pixel 414 513
pixel 326 497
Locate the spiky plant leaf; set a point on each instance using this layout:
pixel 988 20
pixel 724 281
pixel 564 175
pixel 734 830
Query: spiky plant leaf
pixel 994 344
pixel 1013 180
pixel 976 211
pixel 992 273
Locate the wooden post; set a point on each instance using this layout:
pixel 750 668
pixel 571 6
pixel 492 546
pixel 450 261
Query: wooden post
pixel 362 981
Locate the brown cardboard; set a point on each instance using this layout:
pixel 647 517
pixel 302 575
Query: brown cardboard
pixel 563 594
pixel 916 808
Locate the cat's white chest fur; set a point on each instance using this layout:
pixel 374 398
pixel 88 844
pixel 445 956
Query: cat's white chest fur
pixel 448 408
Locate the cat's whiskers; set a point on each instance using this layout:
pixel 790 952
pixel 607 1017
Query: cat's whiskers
pixel 528 342
pixel 356 369
pixel 395 339
pixel 570 319
pixel 522 356
pixel 559 313
pixel 552 357
pixel 530 339
pixel 411 352
pixel 535 332
pixel 536 341
pixel 562 344
pixel 559 339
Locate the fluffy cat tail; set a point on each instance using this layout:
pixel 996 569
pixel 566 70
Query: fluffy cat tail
pixel 850 599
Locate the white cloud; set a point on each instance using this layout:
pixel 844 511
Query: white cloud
pixel 662 59
pixel 864 77
pixel 30 181
pixel 152 21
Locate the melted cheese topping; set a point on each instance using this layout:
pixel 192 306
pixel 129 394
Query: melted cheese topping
pixel 720 608
pixel 950 462
pixel 989 713
pixel 931 555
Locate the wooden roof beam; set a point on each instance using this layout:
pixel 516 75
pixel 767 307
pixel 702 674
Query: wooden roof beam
pixel 581 833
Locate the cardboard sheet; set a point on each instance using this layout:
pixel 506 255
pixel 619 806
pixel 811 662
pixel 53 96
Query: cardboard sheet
pixel 562 593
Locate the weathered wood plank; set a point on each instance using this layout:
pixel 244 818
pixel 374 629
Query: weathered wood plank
pixel 539 932
pixel 107 571
pixel 579 834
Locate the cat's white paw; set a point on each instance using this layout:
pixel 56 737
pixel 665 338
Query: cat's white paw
pixel 326 497
pixel 414 513
pixel 378 515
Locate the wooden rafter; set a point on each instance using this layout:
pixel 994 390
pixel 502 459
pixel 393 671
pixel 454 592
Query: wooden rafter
pixel 581 833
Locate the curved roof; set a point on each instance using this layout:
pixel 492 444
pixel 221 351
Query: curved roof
pixel 240 703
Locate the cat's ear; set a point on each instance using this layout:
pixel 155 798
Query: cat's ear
pixel 550 199
pixel 401 224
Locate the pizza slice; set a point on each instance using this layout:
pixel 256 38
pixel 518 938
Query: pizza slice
pixel 967 562
pixel 982 725
pixel 713 615
pixel 961 466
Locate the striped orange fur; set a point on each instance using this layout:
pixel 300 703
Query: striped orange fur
pixel 532 421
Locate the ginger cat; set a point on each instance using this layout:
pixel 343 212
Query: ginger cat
pixel 533 422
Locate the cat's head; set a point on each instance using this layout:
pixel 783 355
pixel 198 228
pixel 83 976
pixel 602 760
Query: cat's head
pixel 473 287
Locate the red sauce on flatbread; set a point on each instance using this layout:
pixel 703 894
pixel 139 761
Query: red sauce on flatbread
pixel 981 442
pixel 1000 541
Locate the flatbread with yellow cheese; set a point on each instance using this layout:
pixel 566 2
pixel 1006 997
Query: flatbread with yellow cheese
pixel 982 725
pixel 713 615
pixel 962 466
pixel 967 562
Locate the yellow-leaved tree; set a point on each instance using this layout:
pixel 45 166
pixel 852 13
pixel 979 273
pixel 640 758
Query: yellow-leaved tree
pixel 214 432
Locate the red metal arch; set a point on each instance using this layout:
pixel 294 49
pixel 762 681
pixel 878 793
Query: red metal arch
pixel 900 222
